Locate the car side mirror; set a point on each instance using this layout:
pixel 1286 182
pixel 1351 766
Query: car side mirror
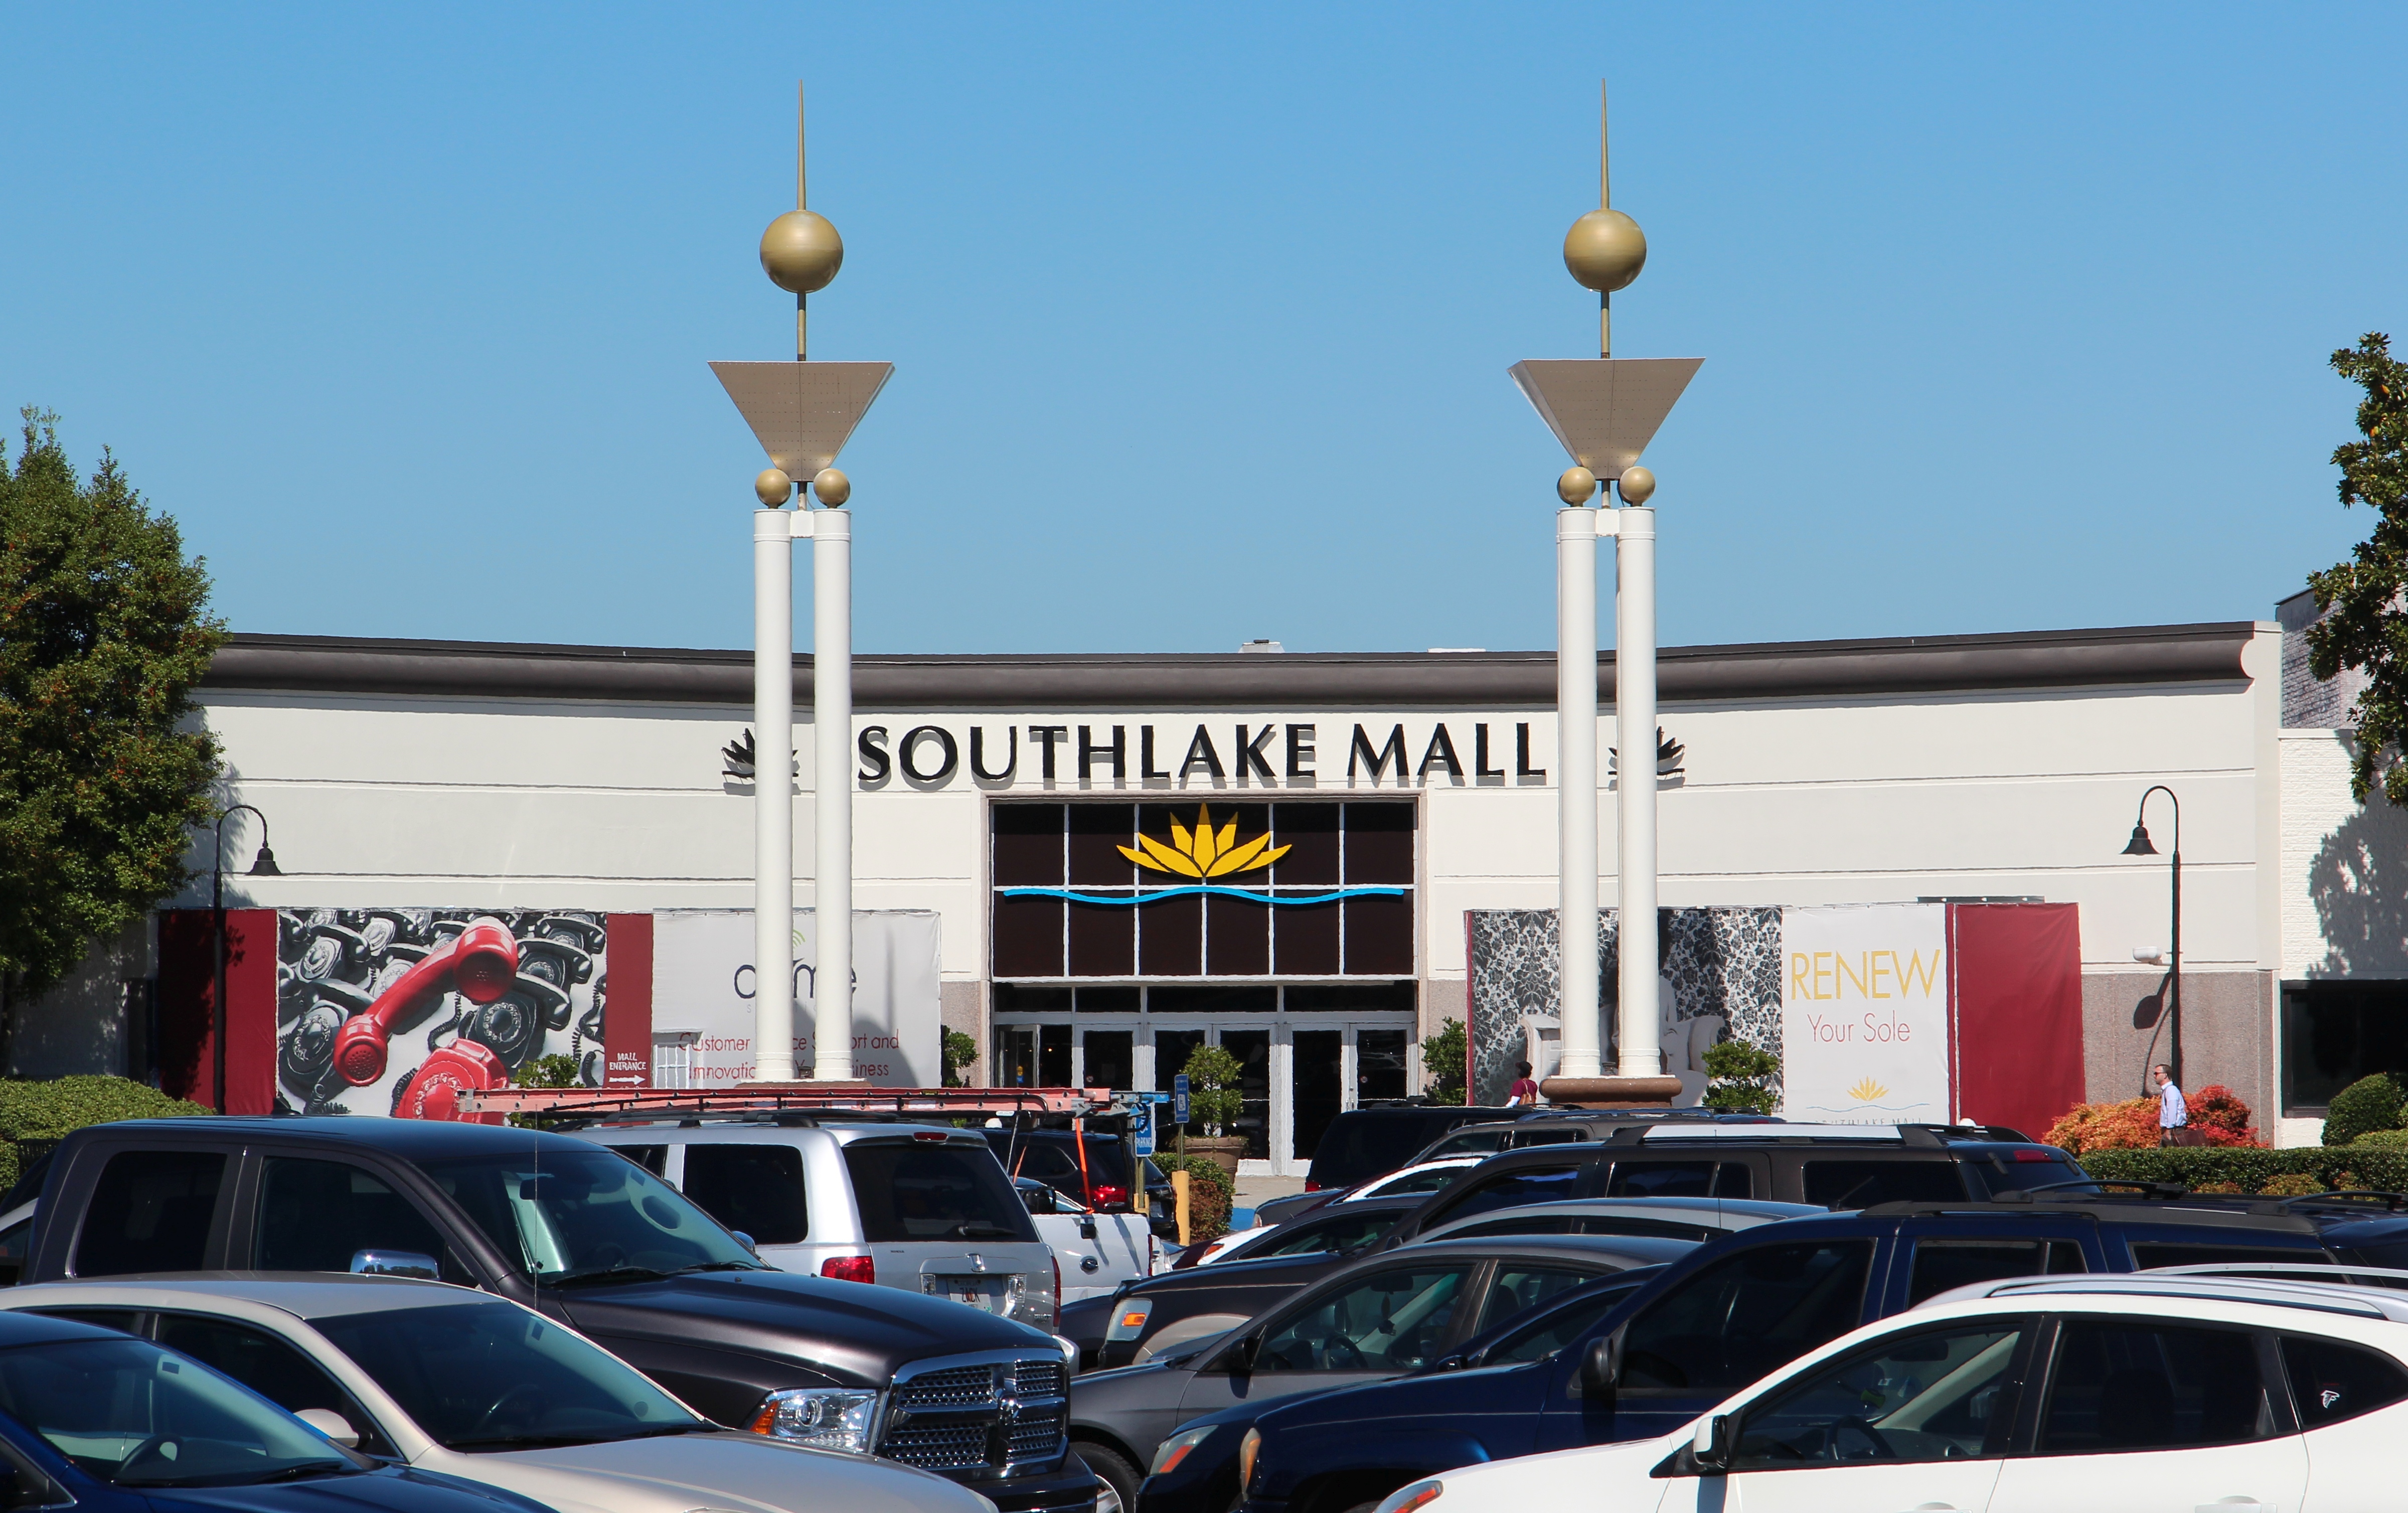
pixel 745 1240
pixel 331 1424
pixel 1710 1445
pixel 1241 1358
pixel 1597 1369
pixel 395 1263
pixel 1451 1362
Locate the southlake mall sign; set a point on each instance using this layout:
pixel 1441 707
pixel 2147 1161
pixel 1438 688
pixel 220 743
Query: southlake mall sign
pixel 1189 752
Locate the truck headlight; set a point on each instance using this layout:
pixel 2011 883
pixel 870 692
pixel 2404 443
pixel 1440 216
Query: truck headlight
pixel 824 1417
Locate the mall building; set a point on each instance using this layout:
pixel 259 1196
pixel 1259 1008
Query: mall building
pixel 1121 857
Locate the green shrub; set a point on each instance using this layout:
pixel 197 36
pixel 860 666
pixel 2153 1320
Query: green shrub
pixel 1443 1057
pixel 2291 1185
pixel 2379 1139
pixel 48 1110
pixel 959 1051
pixel 1742 1077
pixel 2252 1168
pixel 1211 1195
pixel 2367 1105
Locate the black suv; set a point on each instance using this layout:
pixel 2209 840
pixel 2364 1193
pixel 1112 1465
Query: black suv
pixel 589 1237
pixel 1829 1166
pixel 1365 1143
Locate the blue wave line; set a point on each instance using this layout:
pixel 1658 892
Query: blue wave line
pixel 1125 900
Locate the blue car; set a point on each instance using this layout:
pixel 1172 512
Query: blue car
pixel 108 1423
pixel 1728 1313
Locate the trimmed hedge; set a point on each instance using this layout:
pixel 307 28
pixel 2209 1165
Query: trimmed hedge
pixel 2383 1168
pixel 2368 1104
pixel 61 1106
pixel 1211 1195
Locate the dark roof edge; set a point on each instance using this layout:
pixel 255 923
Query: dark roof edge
pixel 1893 665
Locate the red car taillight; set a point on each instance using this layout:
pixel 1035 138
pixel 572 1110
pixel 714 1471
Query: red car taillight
pixel 1311 1186
pixel 850 1269
pixel 1110 1196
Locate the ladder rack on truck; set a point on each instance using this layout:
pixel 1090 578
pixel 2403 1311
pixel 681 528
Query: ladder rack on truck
pixel 609 1103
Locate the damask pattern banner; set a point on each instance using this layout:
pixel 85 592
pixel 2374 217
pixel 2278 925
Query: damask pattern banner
pixel 1864 1013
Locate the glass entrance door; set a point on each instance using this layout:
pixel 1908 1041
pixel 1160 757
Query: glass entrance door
pixel 1253 1049
pixel 1317 1085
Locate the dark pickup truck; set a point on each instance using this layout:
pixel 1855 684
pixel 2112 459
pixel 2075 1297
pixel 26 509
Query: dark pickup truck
pixel 592 1239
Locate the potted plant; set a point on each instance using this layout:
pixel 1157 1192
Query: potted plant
pixel 1214 1102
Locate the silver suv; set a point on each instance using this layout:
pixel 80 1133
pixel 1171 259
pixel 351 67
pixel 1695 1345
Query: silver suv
pixel 925 1209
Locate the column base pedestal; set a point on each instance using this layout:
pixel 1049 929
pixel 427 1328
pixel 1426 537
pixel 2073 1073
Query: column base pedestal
pixel 1611 1092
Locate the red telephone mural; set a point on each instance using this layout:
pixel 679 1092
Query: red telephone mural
pixel 479 964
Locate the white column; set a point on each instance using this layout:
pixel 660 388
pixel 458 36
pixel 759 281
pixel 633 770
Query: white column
pixel 773 796
pixel 1634 740
pixel 1576 785
pixel 832 792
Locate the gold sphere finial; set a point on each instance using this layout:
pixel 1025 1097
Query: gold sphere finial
pixel 1604 250
pixel 773 489
pixel 1636 485
pixel 1575 487
pixel 802 252
pixel 832 487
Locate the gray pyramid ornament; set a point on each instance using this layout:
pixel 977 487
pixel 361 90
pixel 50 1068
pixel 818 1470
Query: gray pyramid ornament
pixel 1604 410
pixel 803 413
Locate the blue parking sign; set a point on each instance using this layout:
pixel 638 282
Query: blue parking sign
pixel 1179 1099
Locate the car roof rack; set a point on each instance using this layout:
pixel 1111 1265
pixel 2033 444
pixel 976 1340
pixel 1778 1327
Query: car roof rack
pixel 2320 1297
pixel 2321 1273
pixel 1706 1133
pixel 549 1106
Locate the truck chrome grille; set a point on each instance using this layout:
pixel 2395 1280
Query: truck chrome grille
pixel 982 1415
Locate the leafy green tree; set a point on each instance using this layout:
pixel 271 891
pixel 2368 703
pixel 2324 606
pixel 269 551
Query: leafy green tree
pixel 1741 1078
pixel 1443 1057
pixel 104 774
pixel 2366 628
pixel 1214 1100
pixel 958 1051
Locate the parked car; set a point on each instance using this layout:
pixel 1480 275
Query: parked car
pixel 1824 1165
pixel 1363 1142
pixel 1676 1218
pixel 1728 1314
pixel 1052 1158
pixel 913 1206
pixel 93 1421
pixel 1147 1316
pixel 1369 1321
pixel 1553 1126
pixel 1195 1470
pixel 447 1379
pixel 600 1243
pixel 2156 1395
pixel 1412 1181
pixel 1093 1254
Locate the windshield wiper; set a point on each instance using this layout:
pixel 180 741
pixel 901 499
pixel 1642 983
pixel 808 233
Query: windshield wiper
pixel 618 1271
pixel 720 1266
pixel 978 1228
pixel 308 1468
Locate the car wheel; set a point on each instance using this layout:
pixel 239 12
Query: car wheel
pixel 1113 1468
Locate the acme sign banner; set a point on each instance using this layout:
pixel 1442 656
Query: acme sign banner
pixel 1864 1013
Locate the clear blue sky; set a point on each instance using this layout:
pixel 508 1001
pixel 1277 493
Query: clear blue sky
pixel 2012 317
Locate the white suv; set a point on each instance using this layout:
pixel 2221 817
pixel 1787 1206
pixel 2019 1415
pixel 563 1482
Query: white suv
pixel 2147 1392
pixel 907 1205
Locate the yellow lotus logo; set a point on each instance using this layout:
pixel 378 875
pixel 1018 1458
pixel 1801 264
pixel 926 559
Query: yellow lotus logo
pixel 1867 1090
pixel 1202 853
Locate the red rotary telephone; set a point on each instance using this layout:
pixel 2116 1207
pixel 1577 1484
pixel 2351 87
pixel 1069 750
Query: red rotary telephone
pixel 479 964
pixel 432 1091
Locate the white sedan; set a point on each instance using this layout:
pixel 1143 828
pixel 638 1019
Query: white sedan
pixel 447 1379
pixel 2143 1393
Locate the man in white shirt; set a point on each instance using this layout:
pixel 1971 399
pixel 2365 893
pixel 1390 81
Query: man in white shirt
pixel 2173 1113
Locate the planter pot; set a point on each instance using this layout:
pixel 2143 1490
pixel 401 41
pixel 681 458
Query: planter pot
pixel 1222 1152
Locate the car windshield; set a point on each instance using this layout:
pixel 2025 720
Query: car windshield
pixel 2015 1171
pixel 576 1217
pixel 127 1412
pixel 494 1376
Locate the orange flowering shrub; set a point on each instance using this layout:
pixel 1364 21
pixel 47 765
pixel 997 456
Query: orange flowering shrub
pixel 2215 1111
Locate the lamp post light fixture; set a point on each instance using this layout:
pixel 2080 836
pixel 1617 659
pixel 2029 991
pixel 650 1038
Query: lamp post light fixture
pixel 1605 413
pixel 802 413
pixel 2138 846
pixel 263 865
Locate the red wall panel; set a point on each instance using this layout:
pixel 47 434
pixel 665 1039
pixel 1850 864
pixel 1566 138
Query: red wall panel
pixel 187 1007
pixel 627 1017
pixel 2016 1005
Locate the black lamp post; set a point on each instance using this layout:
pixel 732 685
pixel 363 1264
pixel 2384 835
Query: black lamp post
pixel 2138 846
pixel 265 866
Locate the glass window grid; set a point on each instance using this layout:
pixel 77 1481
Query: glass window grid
pixel 1145 882
pixel 1006 1010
